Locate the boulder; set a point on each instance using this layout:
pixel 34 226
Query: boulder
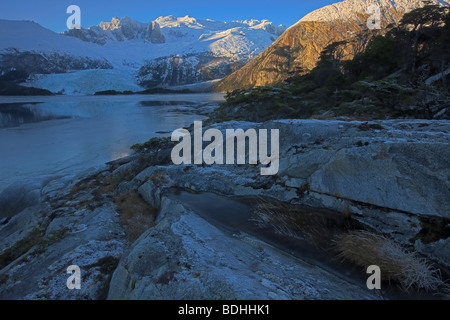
pixel 410 177
pixel 398 165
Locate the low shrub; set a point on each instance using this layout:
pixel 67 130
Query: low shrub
pixel 365 248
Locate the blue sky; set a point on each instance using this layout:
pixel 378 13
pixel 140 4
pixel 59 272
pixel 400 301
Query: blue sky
pixel 52 13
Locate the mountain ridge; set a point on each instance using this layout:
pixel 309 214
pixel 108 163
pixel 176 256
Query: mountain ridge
pixel 299 47
pixel 126 28
pixel 128 48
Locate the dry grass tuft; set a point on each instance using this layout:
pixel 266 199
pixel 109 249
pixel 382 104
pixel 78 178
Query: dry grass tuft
pixel 315 226
pixel 365 248
pixel 160 178
pixel 136 214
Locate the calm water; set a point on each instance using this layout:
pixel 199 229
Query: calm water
pixel 66 134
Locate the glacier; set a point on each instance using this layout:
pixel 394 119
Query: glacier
pixel 87 82
pixel 123 54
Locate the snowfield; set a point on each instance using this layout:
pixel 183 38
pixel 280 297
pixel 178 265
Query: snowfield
pixel 30 36
pixel 116 52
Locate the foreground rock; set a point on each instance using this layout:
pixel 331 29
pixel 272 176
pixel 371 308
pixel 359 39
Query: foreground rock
pixel 185 257
pixel 42 241
pixel 391 176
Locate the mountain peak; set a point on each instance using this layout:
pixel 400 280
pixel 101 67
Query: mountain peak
pixel 352 9
pixel 114 24
pixel 174 22
pixel 299 47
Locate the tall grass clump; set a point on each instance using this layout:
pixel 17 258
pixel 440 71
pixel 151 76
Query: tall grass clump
pixel 365 248
pixel 315 226
pixel 137 215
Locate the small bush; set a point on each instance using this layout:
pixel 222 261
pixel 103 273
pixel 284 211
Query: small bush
pixel 364 248
pixel 153 144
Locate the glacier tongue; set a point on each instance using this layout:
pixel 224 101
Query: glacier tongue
pixel 87 82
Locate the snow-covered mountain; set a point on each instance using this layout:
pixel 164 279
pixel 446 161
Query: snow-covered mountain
pixel 26 48
pixel 165 52
pixel 120 30
pixel 167 29
pixel 299 47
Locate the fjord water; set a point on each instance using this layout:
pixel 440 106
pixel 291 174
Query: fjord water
pixel 68 134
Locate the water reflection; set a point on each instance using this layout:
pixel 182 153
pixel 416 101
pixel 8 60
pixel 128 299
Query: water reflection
pixel 68 134
pixel 16 114
pixel 166 103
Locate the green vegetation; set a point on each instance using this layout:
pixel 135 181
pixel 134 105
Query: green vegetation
pixel 153 144
pixel 404 73
pixel 21 247
pixel 36 239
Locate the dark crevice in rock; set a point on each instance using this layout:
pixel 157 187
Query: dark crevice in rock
pixel 433 229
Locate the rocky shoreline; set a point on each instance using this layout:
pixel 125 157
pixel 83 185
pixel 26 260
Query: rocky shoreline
pixel 132 241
